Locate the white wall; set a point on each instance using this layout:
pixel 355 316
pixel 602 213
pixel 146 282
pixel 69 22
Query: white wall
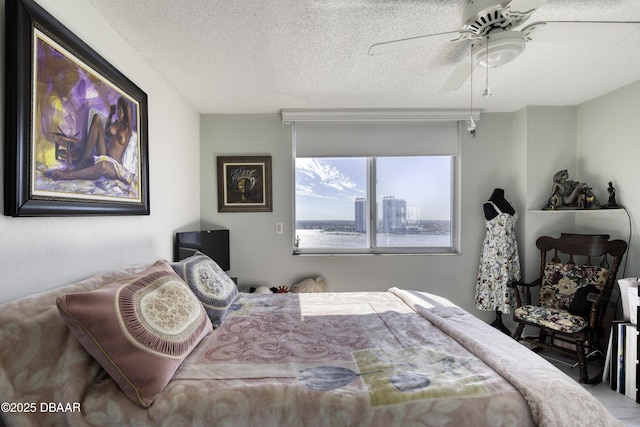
pixel 578 139
pixel 609 151
pixel 549 138
pixel 42 253
pixel 261 257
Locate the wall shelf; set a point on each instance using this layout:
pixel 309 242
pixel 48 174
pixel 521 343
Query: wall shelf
pixel 574 210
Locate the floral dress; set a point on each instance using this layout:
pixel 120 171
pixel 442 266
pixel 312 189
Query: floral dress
pixel 499 263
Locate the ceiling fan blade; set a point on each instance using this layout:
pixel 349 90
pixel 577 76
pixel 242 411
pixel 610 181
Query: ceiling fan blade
pixel 419 41
pixel 580 32
pixel 519 11
pixel 524 6
pixel 460 75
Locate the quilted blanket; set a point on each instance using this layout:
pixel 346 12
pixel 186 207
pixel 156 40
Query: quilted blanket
pixel 396 358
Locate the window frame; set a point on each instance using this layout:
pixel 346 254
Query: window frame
pixel 410 116
pixel 371 214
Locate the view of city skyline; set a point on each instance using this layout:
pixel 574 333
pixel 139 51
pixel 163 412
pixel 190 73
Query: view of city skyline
pixel 392 218
pixel 327 188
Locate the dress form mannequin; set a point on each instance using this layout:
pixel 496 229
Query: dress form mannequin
pixel 497 205
pixel 497 197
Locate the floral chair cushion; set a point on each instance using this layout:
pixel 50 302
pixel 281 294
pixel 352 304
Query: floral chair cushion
pixel 561 282
pixel 550 317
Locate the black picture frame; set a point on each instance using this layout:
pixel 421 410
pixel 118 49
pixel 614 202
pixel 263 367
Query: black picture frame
pixel 244 184
pixel 48 110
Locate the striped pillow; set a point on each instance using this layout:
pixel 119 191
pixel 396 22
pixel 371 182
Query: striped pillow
pixel 210 284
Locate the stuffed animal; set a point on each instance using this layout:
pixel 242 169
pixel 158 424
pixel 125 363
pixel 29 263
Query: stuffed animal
pixel 268 290
pixel 310 286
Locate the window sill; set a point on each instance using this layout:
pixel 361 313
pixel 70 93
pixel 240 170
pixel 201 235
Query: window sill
pixel 350 253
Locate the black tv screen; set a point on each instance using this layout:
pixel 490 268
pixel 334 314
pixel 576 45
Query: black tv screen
pixel 213 243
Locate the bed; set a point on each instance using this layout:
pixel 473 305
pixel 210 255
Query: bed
pixel 395 358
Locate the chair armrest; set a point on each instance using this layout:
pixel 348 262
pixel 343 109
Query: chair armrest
pixel 516 284
pixel 595 313
pixel 593 296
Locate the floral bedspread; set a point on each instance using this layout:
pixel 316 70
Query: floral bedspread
pixel 331 359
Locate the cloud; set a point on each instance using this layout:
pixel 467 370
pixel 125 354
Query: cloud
pixel 304 190
pixel 319 178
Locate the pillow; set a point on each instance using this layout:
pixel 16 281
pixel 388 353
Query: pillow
pixel 581 306
pixel 210 284
pixel 139 328
pixel 561 282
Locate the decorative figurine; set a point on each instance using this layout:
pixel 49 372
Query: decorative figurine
pixel 553 202
pixel 611 204
pixel 569 194
pixel 586 198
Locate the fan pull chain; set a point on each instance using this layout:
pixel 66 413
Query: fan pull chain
pixel 487 91
pixel 471 125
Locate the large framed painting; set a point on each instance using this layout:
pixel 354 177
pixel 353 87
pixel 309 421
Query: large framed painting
pixel 244 184
pixel 75 127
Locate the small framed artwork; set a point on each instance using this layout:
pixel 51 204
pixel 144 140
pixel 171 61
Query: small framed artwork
pixel 76 132
pixel 244 184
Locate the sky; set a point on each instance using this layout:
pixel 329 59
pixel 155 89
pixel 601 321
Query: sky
pixel 326 188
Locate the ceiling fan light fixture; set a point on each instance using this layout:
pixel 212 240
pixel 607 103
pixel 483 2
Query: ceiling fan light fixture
pixel 505 46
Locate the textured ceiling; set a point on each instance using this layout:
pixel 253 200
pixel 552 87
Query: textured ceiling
pixel 250 56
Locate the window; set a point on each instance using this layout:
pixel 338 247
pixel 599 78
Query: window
pixel 374 204
pixel 374 186
pixel 414 196
pixel 330 208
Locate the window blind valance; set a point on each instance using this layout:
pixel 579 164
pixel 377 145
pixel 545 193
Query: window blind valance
pixel 410 132
pixel 345 139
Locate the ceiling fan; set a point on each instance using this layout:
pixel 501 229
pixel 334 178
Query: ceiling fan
pixel 495 30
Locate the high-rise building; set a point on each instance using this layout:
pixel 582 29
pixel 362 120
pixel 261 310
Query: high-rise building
pixel 394 215
pixel 361 215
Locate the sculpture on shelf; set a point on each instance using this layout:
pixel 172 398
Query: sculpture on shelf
pixel 569 194
pixel 611 203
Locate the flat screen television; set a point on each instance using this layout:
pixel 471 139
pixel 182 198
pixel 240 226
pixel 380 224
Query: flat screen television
pixel 213 243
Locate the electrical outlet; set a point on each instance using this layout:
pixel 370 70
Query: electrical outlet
pixel 279 226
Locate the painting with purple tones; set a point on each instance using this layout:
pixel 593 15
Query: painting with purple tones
pixel 76 143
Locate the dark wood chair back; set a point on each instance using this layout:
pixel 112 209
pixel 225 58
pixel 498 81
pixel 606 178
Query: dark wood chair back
pixel 587 332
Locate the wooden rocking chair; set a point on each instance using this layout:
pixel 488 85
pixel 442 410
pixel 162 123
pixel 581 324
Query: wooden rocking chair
pixel 573 296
